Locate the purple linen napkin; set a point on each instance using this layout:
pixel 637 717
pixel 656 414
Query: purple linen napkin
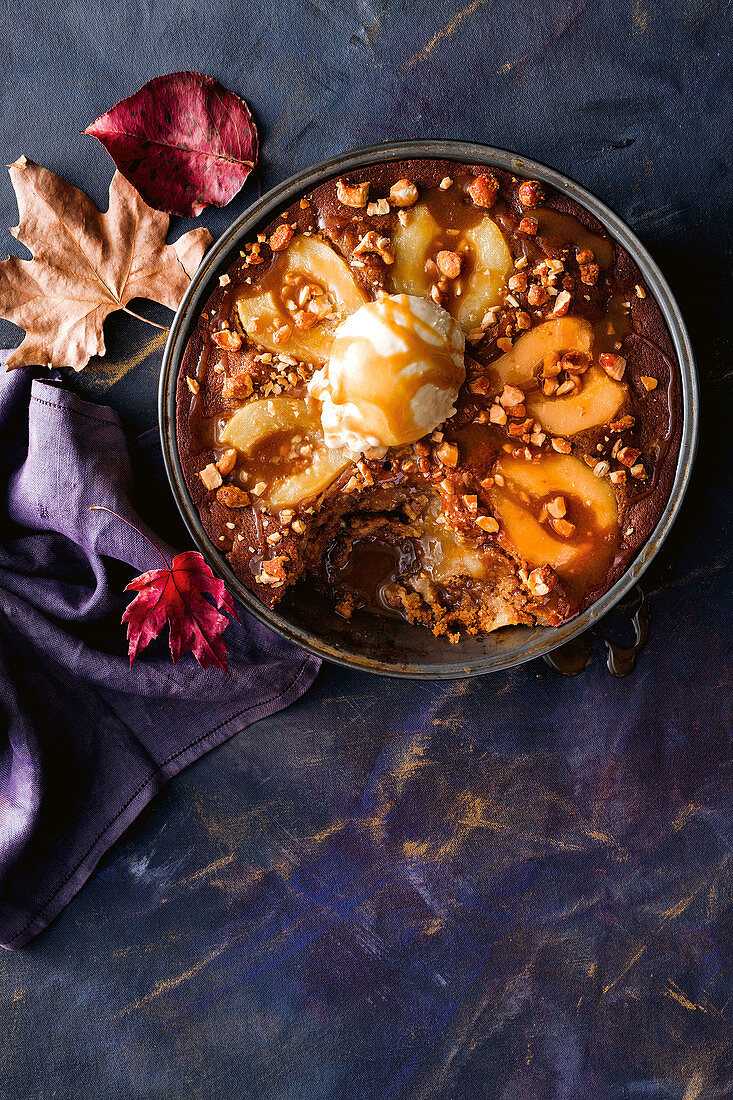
pixel 85 742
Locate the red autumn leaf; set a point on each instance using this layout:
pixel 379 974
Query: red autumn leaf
pixel 183 140
pixel 177 594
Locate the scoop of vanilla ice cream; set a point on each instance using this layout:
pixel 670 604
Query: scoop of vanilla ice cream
pixel 393 376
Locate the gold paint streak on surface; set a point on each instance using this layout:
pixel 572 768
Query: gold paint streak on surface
pixel 166 985
pixel 205 871
pixel 676 994
pixel 446 31
pixel 106 373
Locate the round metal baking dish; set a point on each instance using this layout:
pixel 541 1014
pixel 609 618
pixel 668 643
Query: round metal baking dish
pixel 388 645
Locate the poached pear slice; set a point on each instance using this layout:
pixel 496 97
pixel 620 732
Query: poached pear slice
pixel 257 421
pixel 488 262
pixel 591 507
pixel 263 313
pixel 597 402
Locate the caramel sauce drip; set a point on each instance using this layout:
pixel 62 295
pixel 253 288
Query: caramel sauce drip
pixel 387 386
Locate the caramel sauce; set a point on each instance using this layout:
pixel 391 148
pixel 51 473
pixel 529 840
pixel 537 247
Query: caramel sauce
pixel 370 568
pixel 564 231
pixel 573 657
pixel 384 385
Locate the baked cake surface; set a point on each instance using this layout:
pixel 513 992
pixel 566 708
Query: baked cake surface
pixel 529 500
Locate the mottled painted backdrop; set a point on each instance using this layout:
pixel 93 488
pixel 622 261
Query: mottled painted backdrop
pixel 511 888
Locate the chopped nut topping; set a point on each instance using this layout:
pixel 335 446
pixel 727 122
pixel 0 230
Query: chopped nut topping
pixel 403 217
pixel 618 477
pixel 640 292
pixel 259 488
pixel 488 524
pixel 232 497
pixel 352 194
pixel 447 453
pixel 562 303
pixel 537 295
pixel 529 227
pixel 613 365
pixel 589 274
pixel 638 470
pixel 449 263
pixel 272 572
pixel 231 341
pixel 518 282
pixel 298 526
pixel 224 280
pixel 192 384
pixel 471 502
pixel 557 508
pixel 376 209
pixel 561 446
pixel 542 580
pixel 372 242
pixel 621 424
pixel 282 335
pixel 479 385
pixel 497 415
pixel 210 476
pixel 281 238
pixel 239 386
pixel 530 193
pixel 627 456
pixel 445 183
pixel 564 528
pixel 649 383
pixel 403 193
pixel 484 190
pixel 601 468
pixel 227 462
pixel 511 396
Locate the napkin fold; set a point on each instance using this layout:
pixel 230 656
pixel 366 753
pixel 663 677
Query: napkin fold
pixel 85 741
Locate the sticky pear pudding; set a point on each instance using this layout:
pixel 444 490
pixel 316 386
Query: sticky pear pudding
pixel 431 390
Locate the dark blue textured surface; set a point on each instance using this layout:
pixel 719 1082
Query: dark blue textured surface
pixel 516 887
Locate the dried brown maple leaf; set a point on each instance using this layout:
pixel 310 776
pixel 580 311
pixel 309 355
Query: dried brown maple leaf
pixel 86 264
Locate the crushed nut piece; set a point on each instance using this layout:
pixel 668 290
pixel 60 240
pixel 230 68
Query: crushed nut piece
pixel 403 193
pixel 613 365
pixel 497 415
pixel 352 194
pixel 640 292
pixel 618 477
pixel 447 453
pixel 564 528
pixel 192 384
pixel 232 497
pixel 281 238
pixel 231 341
pixel 227 462
pixel 373 242
pixel 210 476
pixel 562 303
pixel 445 183
pixel 530 193
pixel 557 508
pixel 562 446
pixel 511 396
pixel 484 190
pixel 627 456
pixel 259 488
pixel 638 470
pixel 376 209
pixel 649 383
pixel 488 524
pixel 536 295
pixel 449 263
pixel 224 280
pixel 601 468
pixel 621 424
pixel 589 274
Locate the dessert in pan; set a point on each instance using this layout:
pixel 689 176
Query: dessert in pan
pixel 432 390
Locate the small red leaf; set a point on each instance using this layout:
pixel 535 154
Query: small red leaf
pixel 183 140
pixel 177 595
